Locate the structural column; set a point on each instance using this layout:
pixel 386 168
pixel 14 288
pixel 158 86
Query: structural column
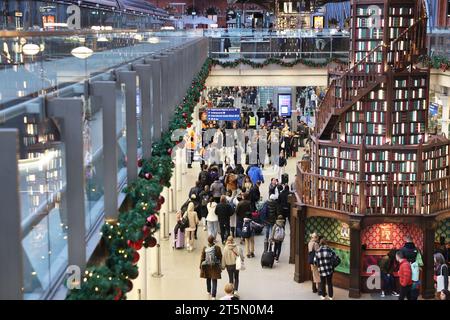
pixel 106 93
pixel 11 266
pixel 70 113
pixel 129 79
pixel 164 91
pixel 300 226
pixel 144 72
pixel 155 96
pixel 429 230
pixel 355 258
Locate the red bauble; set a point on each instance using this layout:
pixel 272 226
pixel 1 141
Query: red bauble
pixel 161 200
pixel 138 244
pixel 129 285
pixel 184 115
pixel 153 219
pixel 130 244
pixel 158 207
pixel 136 257
pixel 189 125
pixel 169 151
pixel 146 231
pixel 148 176
pixel 140 163
pixel 151 242
pixel 118 295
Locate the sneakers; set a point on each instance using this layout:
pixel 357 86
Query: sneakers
pixel 252 255
pixel 322 297
pixel 395 294
pixel 277 261
pixel 204 228
pixel 382 294
pixel 330 298
pixel 249 256
pixel 213 298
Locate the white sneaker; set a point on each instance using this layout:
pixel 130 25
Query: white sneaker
pixel 395 294
pixel 330 298
pixel 382 294
pixel 322 297
pixel 213 298
pixel 204 228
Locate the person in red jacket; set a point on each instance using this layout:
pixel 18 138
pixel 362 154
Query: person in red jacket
pixel 405 276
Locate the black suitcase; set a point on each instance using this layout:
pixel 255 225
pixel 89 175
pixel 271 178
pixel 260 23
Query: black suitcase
pixel 258 230
pixel 284 178
pixel 268 257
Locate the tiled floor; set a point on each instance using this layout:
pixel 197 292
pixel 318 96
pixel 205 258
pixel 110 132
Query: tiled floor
pixel 181 278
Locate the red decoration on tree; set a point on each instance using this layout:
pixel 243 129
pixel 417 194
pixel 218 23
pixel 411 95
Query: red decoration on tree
pixel 136 257
pixel 118 295
pixel 158 206
pixel 135 245
pixel 161 200
pixel 151 242
pixel 148 176
pixel 169 151
pixel 152 220
pixel 189 125
pixel 184 115
pixel 140 163
pixel 146 231
pixel 129 285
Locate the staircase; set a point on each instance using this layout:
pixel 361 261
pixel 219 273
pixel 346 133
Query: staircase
pixel 358 81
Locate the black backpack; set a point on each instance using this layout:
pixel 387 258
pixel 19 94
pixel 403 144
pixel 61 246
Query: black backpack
pixel 204 178
pixel 311 256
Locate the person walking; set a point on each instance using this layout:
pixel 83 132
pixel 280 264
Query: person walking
pixel 205 195
pixel 211 266
pixel 285 206
pixel 324 260
pixel 441 272
pixel 248 233
pixel 224 211
pixel 273 210
pixel 255 195
pixel 313 247
pixel 217 190
pixel 233 259
pixel 193 221
pixel 243 208
pixel 277 236
pixel 386 265
pixel 405 276
pixel 212 221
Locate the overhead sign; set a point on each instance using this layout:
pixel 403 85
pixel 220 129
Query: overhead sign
pixel 434 109
pixel 284 104
pixel 224 114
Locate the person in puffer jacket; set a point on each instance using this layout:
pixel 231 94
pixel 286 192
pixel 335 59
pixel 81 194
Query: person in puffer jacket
pixel 273 211
pixel 277 236
pixel 217 190
pixel 405 276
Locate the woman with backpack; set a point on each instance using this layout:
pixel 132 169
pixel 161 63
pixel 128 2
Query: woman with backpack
pixel 211 266
pixel 277 236
pixel 232 261
pixel 212 220
pixel 193 222
pixel 326 260
pixel 248 233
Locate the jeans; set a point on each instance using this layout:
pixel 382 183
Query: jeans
pixel 213 227
pixel 224 231
pixel 387 283
pixel 405 292
pixel 277 249
pixel 233 276
pixel 239 223
pixel 268 230
pixel 212 290
pixel 329 281
pixel 250 245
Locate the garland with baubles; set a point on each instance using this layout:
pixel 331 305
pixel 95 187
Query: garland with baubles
pixel 277 61
pixel 135 228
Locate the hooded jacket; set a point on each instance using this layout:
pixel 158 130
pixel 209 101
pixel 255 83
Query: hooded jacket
pixel 279 223
pixel 273 211
pixel 230 253
pixel 217 189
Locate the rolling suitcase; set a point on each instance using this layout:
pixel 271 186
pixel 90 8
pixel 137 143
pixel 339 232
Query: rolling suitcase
pixel 179 240
pixel 268 257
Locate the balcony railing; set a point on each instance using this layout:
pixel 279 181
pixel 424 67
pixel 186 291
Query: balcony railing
pixel 372 197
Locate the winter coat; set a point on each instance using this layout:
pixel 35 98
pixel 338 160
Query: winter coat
pixel 410 251
pixel 193 220
pixel 323 261
pixel 273 211
pixel 213 271
pixel 255 194
pixel 203 177
pixel 212 216
pixel 243 207
pixel 224 211
pixel 231 182
pixel 284 203
pixel 230 253
pixel 279 223
pixel 217 189
pixel 405 273
pixel 255 174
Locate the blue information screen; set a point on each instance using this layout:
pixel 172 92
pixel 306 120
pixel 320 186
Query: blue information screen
pixel 224 114
pixel 434 108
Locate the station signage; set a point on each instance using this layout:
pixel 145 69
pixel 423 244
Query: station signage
pixel 224 114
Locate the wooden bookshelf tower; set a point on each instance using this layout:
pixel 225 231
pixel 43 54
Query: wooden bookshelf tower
pixel 372 160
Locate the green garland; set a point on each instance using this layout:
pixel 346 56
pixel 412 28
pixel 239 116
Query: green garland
pixel 436 62
pixel 278 61
pixel 136 228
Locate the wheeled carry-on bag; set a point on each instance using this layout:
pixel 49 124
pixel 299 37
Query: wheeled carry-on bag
pixel 268 257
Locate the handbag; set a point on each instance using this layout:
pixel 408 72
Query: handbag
pixel 440 281
pixel 239 262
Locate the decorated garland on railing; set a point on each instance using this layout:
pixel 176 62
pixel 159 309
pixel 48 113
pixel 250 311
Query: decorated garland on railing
pixel 135 228
pixel 278 61
pixel 436 62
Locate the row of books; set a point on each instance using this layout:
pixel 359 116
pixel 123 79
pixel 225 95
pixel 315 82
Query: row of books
pixel 404 167
pixel 369 33
pixel 415 115
pixel 400 11
pixel 375 117
pixel 410 105
pixel 412 139
pixel 435 174
pixel 405 156
pixel 405 128
pixel 330 163
pixel 439 152
pixel 432 164
pixel 377 156
pixel 370 22
pixel 400 21
pixel 378 167
pixel 350 154
pixel 328 152
pixel 412 93
pixel 369 11
pixel 349 165
pixel 376 129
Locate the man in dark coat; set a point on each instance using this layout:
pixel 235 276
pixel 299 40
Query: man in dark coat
pixel 255 195
pixel 243 208
pixel 285 206
pixel 224 211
